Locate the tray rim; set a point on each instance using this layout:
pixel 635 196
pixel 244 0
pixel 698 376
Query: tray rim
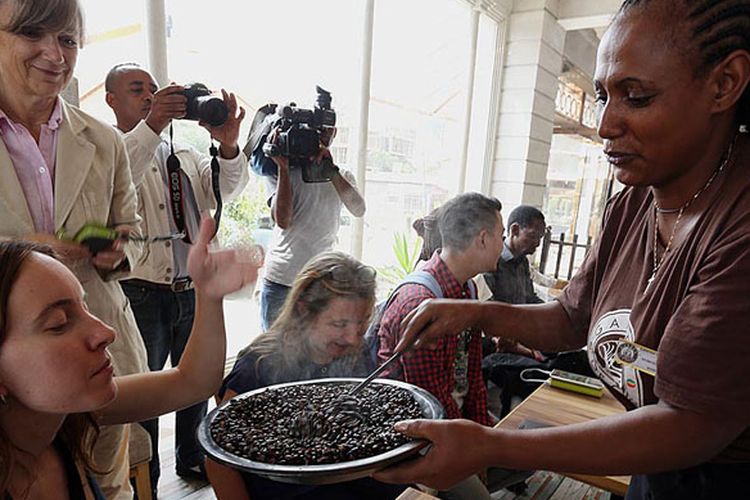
pixel 312 474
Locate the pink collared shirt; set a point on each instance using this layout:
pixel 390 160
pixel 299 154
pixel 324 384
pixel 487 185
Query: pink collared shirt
pixel 35 165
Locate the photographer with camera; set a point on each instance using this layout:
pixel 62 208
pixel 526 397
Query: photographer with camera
pixel 306 190
pixel 159 289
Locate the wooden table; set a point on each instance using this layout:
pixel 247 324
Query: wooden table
pixel 548 405
pixel 415 494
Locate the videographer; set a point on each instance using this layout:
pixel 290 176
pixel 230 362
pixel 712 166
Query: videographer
pixel 307 215
pixel 160 289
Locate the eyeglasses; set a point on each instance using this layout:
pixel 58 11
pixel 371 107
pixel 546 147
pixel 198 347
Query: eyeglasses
pixel 345 274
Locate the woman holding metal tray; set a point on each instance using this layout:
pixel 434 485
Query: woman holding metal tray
pixel 318 334
pixel 661 299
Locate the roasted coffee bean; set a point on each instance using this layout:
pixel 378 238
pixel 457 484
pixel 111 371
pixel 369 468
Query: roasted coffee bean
pixel 335 427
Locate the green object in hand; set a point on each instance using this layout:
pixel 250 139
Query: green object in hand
pixel 96 237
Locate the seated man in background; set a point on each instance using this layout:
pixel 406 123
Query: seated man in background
pixel 511 281
pixel 471 229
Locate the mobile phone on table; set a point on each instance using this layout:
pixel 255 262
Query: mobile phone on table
pixel 576 383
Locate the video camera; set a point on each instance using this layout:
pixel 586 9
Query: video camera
pixel 300 133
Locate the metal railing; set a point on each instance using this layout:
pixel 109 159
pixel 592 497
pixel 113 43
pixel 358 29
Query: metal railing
pixel 563 250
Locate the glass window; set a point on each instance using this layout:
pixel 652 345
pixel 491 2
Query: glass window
pixel 270 52
pixel 279 51
pixel 112 36
pixel 481 110
pixel 578 180
pixel 417 108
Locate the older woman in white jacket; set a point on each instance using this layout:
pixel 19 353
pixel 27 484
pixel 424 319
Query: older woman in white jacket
pixel 60 169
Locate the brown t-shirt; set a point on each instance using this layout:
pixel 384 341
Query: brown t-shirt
pixel 694 314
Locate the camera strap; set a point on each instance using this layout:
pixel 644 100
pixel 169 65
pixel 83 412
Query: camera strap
pixel 176 196
pixel 215 171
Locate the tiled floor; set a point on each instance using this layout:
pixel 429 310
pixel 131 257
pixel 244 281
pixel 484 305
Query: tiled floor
pixel 171 486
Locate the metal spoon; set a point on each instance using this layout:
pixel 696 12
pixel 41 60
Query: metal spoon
pixel 358 388
pixel 303 423
pixel 380 369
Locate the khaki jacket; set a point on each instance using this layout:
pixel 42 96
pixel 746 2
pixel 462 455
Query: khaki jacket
pixel 156 263
pixel 92 183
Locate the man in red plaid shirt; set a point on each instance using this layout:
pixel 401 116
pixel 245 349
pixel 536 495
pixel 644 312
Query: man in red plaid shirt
pixel 472 233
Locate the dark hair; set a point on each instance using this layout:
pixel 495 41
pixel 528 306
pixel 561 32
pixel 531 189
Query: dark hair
pixel 46 16
pixel 716 28
pixel 461 218
pixel 427 229
pixel 525 215
pixel 79 431
pixel 116 71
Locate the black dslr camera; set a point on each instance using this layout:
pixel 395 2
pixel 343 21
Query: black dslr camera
pixel 204 107
pixel 299 137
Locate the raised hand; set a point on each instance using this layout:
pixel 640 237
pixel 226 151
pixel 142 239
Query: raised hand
pixel 220 272
pixel 229 133
pixel 324 160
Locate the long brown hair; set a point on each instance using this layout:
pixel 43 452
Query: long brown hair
pixel 427 229
pixel 79 431
pixel 311 293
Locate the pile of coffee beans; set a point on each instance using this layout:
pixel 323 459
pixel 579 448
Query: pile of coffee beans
pixel 265 427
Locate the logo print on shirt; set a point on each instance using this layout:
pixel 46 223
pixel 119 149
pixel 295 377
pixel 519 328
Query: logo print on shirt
pixel 603 341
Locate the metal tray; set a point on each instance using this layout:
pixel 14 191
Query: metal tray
pixel 327 473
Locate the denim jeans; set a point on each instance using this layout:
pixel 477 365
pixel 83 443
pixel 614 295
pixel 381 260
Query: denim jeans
pixel 165 319
pixel 272 297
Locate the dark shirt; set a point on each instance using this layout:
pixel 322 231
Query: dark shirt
pixel 511 281
pixel 692 314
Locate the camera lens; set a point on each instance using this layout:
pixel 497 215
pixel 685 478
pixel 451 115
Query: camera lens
pixel 211 110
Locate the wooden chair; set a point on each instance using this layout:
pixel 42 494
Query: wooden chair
pixel 139 449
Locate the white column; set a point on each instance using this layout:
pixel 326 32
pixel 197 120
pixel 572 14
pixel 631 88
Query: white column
pixel 364 123
pixel 156 21
pixel 472 58
pixel 532 65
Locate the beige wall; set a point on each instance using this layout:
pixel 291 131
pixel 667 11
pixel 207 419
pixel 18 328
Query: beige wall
pixel 533 61
pixel 536 44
